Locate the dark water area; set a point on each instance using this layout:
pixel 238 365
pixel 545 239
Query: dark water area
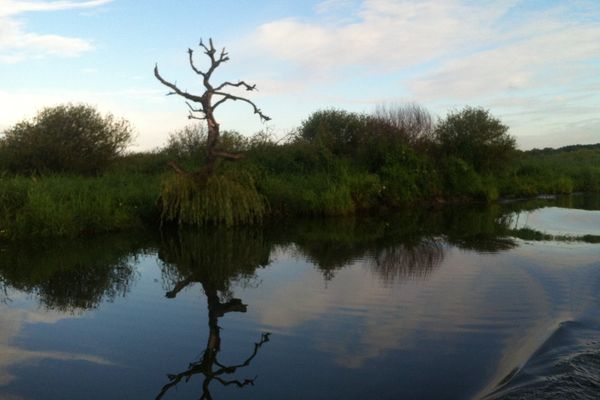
pixel 454 303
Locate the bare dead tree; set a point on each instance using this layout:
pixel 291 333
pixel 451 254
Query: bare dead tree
pixel 202 107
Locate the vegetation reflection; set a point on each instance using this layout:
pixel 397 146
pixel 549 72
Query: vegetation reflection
pixel 72 276
pixel 401 246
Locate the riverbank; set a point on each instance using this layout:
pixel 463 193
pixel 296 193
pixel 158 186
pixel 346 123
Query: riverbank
pixel 126 197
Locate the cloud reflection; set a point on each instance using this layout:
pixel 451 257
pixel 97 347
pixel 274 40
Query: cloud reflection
pixel 12 323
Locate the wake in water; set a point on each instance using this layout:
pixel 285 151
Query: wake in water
pixel 567 366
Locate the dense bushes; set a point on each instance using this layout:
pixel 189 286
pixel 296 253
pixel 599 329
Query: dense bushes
pixel 66 138
pixel 476 137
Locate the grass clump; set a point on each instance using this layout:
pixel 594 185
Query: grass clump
pixel 70 206
pixel 228 199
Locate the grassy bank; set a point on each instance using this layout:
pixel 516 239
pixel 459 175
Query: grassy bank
pixel 295 179
pixel 61 205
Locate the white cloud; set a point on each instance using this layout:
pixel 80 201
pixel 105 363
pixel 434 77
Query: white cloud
pixel 385 35
pixel 14 7
pixel 451 53
pixel 18 44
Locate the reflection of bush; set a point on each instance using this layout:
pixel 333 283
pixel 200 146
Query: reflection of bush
pixel 403 245
pixel 74 275
pixel 404 262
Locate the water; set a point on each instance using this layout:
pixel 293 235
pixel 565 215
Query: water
pixel 456 303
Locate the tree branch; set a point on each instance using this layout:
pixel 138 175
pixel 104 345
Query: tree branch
pixel 240 83
pixel 264 338
pixel 227 96
pixel 236 382
pixel 196 70
pixel 225 154
pixel 174 87
pixel 195 110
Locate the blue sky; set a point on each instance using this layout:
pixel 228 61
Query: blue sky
pixel 535 64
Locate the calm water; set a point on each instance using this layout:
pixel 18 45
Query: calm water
pixel 433 304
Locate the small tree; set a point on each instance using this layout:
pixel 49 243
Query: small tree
pixel 65 138
pixel 208 102
pixel 476 137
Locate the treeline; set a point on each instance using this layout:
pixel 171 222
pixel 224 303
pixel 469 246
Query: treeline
pixel 66 172
pixel 564 149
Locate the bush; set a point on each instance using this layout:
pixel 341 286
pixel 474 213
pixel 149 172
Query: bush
pixel 190 141
pixel 340 131
pixel 66 138
pixel 476 137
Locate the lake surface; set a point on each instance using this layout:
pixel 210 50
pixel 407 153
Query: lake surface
pixel 453 303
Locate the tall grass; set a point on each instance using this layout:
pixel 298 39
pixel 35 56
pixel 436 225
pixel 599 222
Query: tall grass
pixel 60 205
pixel 228 199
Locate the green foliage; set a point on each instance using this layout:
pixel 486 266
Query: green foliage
pixel 188 142
pixel 228 199
pixel 461 181
pixel 576 168
pixel 338 130
pixel 66 138
pixel 314 194
pixel 298 157
pixel 146 163
pixel 476 137
pixel 73 206
pixel 365 189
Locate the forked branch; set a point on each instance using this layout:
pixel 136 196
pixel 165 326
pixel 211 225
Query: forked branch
pixel 228 96
pixel 174 88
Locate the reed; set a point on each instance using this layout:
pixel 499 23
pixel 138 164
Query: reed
pixel 229 199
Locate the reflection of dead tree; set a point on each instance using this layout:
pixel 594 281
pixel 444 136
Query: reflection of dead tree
pixel 4 298
pixel 208 365
pixel 404 262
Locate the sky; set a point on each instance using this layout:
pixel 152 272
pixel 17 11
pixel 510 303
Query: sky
pixel 534 64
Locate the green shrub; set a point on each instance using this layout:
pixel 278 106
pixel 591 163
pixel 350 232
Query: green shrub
pixel 460 179
pixel 476 137
pixel 66 138
pixel 188 142
pixel 300 156
pixel 340 131
pixel 365 190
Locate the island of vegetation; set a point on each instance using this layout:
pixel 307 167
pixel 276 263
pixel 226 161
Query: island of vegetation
pixel 67 172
